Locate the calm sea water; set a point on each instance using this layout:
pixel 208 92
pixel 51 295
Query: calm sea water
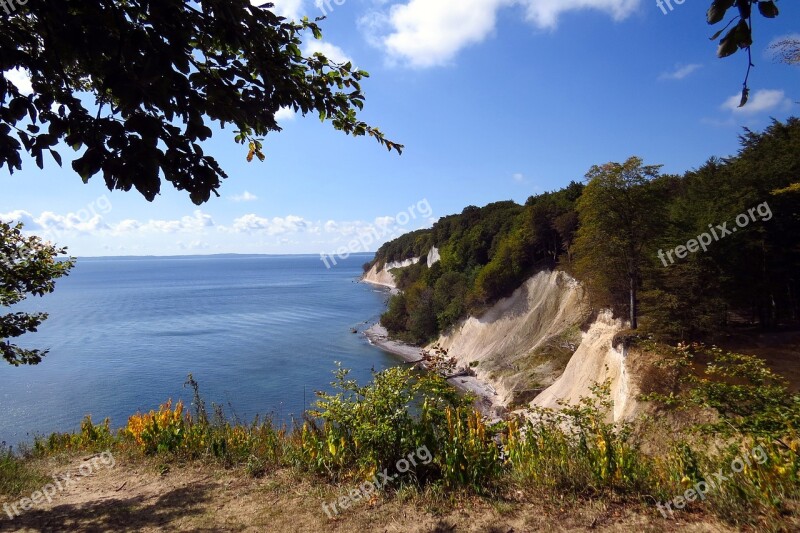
pixel 255 331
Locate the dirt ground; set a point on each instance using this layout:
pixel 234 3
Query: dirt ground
pixel 136 496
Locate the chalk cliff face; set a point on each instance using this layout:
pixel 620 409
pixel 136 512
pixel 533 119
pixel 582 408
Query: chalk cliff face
pixel 595 361
pixel 521 345
pixel 433 256
pixel 384 277
pixel 533 347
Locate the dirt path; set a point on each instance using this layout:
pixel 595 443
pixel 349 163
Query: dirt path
pixel 143 497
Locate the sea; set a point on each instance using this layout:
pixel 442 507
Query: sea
pixel 259 334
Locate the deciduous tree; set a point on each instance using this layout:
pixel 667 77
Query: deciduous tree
pixel 28 266
pixel 619 216
pixel 133 85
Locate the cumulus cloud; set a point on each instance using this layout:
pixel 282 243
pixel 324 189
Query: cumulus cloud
pixel 331 51
pixel 20 79
pixel 19 216
pixel 782 38
pixel 679 72
pixel 285 114
pixel 291 9
pixel 761 101
pixel 52 224
pixel 246 196
pixel 545 13
pixel 424 34
pixel 253 223
pixel 197 223
pixel 88 233
pixel 427 34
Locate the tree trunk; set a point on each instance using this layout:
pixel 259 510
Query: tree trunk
pixel 634 310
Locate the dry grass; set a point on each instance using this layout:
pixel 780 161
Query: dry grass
pixel 144 495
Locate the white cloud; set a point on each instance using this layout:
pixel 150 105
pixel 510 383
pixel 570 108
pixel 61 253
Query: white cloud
pixel 291 9
pixel 545 13
pixel 762 100
pixel 89 233
pixel 193 246
pixel 424 33
pixel 253 223
pixel 20 79
pixel 331 51
pixel 52 224
pixel 196 223
pixel 780 38
pixel 680 72
pixel 19 216
pixel 246 196
pixel 519 177
pixel 285 114
pixel 427 34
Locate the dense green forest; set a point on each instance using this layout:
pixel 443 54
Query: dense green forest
pixel 682 257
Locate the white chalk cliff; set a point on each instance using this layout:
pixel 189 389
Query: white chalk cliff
pixel 384 276
pixel 534 347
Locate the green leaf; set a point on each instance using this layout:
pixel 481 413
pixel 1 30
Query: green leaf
pixel 768 9
pixel 56 156
pixel 717 10
pixel 745 97
pixel 738 37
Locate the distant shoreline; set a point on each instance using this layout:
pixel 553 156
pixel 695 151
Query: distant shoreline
pixel 205 256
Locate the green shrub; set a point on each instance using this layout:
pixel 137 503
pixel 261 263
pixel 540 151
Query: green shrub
pixel 576 450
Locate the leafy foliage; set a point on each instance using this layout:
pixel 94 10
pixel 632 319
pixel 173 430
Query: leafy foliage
pixel 486 253
pixel 372 426
pixel 619 213
pixel 139 96
pixel 740 36
pixel 576 449
pixel 608 233
pixel 27 266
pixel 755 422
pixel 749 398
pixel 162 431
pixel 574 452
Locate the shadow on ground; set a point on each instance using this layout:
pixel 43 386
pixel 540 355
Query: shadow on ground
pixel 119 514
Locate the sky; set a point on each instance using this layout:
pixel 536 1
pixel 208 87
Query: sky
pixel 493 99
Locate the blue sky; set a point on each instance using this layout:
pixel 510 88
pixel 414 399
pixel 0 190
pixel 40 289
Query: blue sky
pixel 494 100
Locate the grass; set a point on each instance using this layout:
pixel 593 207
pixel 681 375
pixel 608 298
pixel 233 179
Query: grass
pixel 17 474
pixel 572 455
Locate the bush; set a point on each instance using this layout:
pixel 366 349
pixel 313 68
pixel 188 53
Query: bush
pixel 92 437
pixel 576 450
pixel 369 428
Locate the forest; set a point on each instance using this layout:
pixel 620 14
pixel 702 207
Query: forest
pixel 682 257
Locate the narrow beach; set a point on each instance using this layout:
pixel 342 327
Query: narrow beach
pixel 486 399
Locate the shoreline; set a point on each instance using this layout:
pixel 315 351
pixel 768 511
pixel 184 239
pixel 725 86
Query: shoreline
pixel 485 395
